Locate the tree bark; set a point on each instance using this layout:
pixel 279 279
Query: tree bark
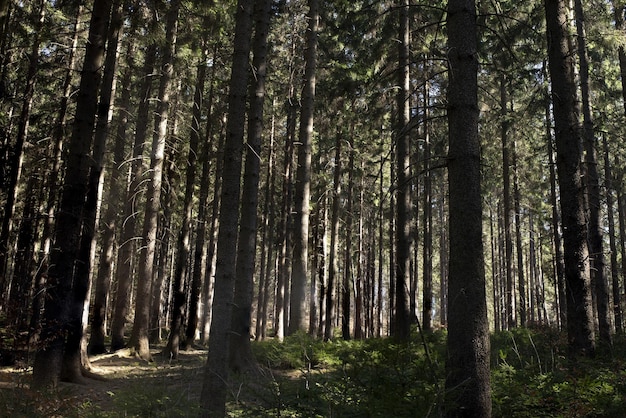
pixel 598 278
pixel 241 357
pixel 608 182
pixel 139 337
pixel 467 364
pixel 569 156
pixel 299 274
pixel 214 385
pixel 333 265
pixel 126 250
pixel 48 360
pixel 103 278
pixel 402 326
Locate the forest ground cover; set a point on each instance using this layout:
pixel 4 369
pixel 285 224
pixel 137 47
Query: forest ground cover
pixel 306 377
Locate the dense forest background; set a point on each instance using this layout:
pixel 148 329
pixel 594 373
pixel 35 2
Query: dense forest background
pixel 215 172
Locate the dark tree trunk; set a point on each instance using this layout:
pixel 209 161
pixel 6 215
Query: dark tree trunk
pixel 241 357
pixel 506 197
pixel 608 182
pixel 126 250
pixel 569 156
pixel 61 298
pixel 402 326
pixel 103 278
pixel 468 391
pixel 214 385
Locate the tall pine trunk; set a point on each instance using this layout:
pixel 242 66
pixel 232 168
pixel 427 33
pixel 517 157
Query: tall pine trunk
pixel 467 364
pixel 299 274
pixel 580 328
pixel 139 336
pixel 67 237
pixel 214 385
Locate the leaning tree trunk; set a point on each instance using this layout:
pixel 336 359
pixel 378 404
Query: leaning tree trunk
pixel 139 339
pixel 467 364
pixel 580 328
pixel 214 385
pixel 48 360
pixel 297 319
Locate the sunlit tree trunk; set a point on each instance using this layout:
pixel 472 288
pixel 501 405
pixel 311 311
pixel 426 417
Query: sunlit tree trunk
pixel 181 270
pixel 299 273
pixel 333 265
pixel 139 336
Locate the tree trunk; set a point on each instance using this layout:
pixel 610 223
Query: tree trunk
pixel 556 231
pixel 608 182
pixel 402 328
pixel 467 365
pixel 348 268
pixel 333 265
pixel 200 253
pixel 427 221
pixel 506 197
pixel 59 305
pixel 598 278
pixel 126 250
pixel 241 357
pixel 139 336
pixel 214 385
pixel 299 274
pixel 52 180
pixel 184 238
pixel 16 156
pixel 103 278
pixel 569 154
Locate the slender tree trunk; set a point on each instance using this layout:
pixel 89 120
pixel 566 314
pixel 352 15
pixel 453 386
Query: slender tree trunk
pixel 402 327
pixel 333 264
pixel 241 357
pixel 214 385
pixel 126 250
pixel 608 181
pixel 521 277
pixel 299 274
pixel 348 268
pixel 556 231
pixel 427 222
pixel 61 298
pixel 139 337
pixel 16 156
pixel 598 278
pixel 506 179
pixel 569 151
pixel 200 253
pixel 468 390
pixel 209 281
pixel 284 236
pixel 184 238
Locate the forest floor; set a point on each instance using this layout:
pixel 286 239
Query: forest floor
pixel 130 387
